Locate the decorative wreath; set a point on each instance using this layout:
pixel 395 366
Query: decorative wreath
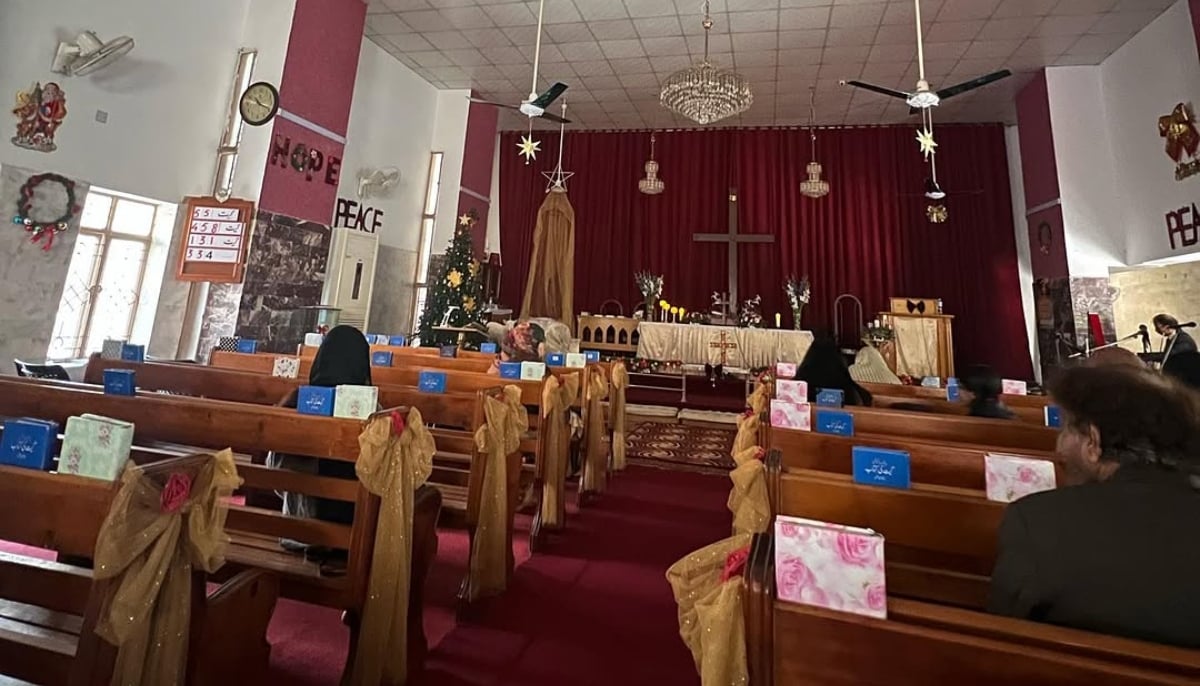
pixel 45 230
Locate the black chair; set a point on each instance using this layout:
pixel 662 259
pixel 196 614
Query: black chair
pixel 42 371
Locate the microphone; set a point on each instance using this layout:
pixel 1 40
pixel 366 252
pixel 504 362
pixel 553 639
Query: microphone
pixel 1187 325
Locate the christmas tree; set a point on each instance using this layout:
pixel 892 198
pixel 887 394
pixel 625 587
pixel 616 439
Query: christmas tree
pixel 457 287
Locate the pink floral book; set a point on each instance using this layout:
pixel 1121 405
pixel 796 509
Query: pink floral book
pixel 789 415
pixel 792 391
pixel 1011 387
pixel 1011 477
pixel 831 566
pixel 785 370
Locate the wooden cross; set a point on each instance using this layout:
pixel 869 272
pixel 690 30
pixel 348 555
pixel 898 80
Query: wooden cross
pixel 733 238
pixel 724 345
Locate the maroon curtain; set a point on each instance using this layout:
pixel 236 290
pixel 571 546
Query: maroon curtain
pixel 869 237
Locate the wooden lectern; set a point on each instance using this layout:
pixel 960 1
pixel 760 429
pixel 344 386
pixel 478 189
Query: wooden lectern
pixel 923 337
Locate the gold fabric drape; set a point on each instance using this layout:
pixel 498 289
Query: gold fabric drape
pixel 558 394
pixel 759 398
pixel 549 289
pixel 747 433
pixel 710 612
pixel 595 468
pixel 499 437
pixel 392 467
pixel 748 501
pixel 620 381
pixel 151 553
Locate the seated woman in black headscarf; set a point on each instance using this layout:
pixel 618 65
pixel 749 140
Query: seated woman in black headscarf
pixel 824 367
pixel 344 358
pixel 986 385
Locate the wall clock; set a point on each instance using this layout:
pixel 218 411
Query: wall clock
pixel 259 103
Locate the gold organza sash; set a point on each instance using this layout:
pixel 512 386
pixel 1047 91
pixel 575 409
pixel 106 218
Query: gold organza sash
pixel 748 501
pixel 595 469
pixel 620 381
pixel 497 439
pixel 149 543
pixel 747 433
pixel 759 398
pixel 557 394
pixel 393 462
pixel 710 612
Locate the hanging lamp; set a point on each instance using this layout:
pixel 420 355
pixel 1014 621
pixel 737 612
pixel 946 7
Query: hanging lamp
pixel 651 185
pixel 814 186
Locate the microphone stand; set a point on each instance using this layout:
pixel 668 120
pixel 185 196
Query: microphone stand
pixel 1087 352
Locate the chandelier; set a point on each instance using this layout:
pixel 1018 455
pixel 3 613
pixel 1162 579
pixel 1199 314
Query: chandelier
pixel 814 186
pixel 651 185
pixel 704 93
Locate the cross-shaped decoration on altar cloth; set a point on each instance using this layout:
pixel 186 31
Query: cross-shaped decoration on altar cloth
pixel 733 238
pixel 724 345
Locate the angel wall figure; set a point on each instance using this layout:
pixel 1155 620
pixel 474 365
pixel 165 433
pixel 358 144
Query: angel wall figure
pixel 40 111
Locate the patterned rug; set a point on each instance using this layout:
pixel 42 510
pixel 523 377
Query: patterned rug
pixel 688 448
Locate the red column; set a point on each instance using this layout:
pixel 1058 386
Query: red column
pixel 315 93
pixel 478 153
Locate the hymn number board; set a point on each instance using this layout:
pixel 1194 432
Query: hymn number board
pixel 215 238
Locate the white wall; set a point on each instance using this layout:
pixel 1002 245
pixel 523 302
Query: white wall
pixel 1012 142
pixel 1144 80
pixel 449 137
pixel 165 101
pixel 1086 177
pixel 392 123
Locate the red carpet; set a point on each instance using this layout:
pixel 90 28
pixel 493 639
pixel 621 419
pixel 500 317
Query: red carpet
pixel 595 610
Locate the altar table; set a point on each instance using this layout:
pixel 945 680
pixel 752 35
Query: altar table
pixel 702 344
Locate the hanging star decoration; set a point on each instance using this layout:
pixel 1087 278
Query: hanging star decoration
pixel 466 220
pixel 469 303
pixel 454 278
pixel 529 148
pixel 928 145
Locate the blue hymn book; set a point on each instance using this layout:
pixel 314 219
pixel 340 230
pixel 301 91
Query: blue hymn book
pixel 835 423
pixel 399 341
pixel 489 348
pixel 831 397
pixel 119 382
pixel 317 400
pixel 1053 416
pixel 448 351
pixel 247 345
pixel 432 382
pixel 381 358
pixel 879 467
pixel 510 370
pixel 133 353
pixel 556 360
pixel 29 443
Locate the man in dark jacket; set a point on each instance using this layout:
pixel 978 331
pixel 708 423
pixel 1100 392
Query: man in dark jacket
pixel 1115 551
pixel 1175 339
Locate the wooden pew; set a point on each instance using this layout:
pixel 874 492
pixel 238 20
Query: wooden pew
pixel 49 610
pixel 217 425
pixel 1028 415
pixel 1004 435
pixel 923 643
pixel 919 392
pixel 453 412
pixel 944 464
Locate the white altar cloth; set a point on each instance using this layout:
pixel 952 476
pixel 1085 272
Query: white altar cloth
pixel 694 344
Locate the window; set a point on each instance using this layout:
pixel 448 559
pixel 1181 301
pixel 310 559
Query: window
pixel 104 280
pixel 428 217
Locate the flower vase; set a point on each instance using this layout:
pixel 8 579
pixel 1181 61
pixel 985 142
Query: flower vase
pixel 796 314
pixel 651 305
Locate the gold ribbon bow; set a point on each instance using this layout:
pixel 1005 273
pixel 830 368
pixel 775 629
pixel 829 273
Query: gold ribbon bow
pixel 748 501
pixel 759 398
pixel 499 437
pixel 620 381
pixel 153 551
pixel 595 470
pixel 1179 128
pixel 392 467
pixel 710 612
pixel 557 395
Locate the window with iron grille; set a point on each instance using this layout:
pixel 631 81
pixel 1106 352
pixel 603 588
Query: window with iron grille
pixel 104 280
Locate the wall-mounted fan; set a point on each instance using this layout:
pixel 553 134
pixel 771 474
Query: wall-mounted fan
pixel 375 183
pixel 89 54
pixel 536 105
pixel 923 97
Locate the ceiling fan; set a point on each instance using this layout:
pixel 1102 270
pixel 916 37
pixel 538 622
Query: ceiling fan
pixel 535 105
pixel 923 97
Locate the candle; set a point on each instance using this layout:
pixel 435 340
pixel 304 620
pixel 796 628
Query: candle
pixel 682 312
pixel 674 313
pixel 778 320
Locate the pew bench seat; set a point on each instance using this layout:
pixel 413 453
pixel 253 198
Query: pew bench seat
pixel 39 634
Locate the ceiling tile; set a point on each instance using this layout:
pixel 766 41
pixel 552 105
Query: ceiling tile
pixel 387 24
pixel 897 35
pixel 427 20
pixel 447 40
pixel 837 55
pixel 568 33
pixel 1024 8
pixel 410 42
pixel 851 36
pixel 1102 44
pixel 1066 26
pixel 857 15
pixel 891 54
pixel 900 12
pixel 642 8
pixel 809 38
pixel 431 58
pixel 631 65
pixel 511 14
pixel 1066 8
pixel 954 30
pixel 557 12
pixel 762 40
pixel 405 5
pixel 467 17
pixel 804 18
pixel 486 38
pixel 992 49
pixel 668 46
pixel 623 48
pixel 582 51
pixel 1008 28
pixel 1125 23
pixel 756 59
pixel 652 27
pixel 959 10
pixel 745 22
pixel 504 55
